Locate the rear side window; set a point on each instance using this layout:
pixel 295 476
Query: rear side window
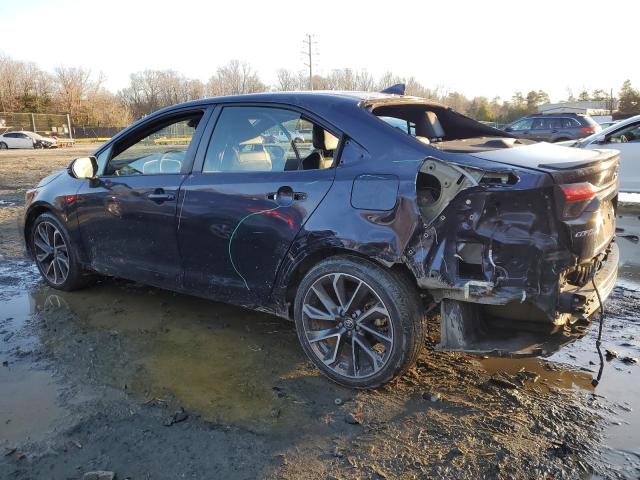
pixel 265 139
pixel 555 123
pixel 570 123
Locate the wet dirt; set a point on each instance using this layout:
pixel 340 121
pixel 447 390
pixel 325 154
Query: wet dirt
pixel 152 384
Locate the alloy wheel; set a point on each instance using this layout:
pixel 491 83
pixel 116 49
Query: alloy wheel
pixel 347 325
pixel 51 252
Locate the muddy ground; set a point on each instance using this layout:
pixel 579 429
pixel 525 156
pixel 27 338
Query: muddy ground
pixel 154 385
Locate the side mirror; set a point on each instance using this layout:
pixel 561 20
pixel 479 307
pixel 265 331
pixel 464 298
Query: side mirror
pixel 508 129
pixel 600 139
pixel 84 167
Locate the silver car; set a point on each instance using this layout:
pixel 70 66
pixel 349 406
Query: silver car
pixel 623 136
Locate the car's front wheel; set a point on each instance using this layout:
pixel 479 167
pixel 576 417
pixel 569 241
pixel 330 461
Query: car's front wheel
pixel 359 323
pixel 55 254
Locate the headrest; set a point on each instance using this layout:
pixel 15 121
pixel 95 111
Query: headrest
pixel 434 126
pixel 323 140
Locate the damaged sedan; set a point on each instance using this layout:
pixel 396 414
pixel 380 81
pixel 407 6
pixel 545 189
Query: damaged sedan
pixel 392 205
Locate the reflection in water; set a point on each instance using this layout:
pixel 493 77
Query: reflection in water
pixel 549 374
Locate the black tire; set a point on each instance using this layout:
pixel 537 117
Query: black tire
pixel 75 277
pixel 561 139
pixel 3 146
pixel 401 324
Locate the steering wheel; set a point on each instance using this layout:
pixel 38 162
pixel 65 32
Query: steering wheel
pixel 173 150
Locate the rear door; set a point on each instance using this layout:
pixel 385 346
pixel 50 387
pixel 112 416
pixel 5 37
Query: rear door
pixel 540 129
pixel 251 192
pixel 127 216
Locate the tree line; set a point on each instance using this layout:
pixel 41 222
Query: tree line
pixel 24 87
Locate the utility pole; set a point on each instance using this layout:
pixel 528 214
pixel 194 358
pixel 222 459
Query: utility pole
pixel 308 53
pixel 611 101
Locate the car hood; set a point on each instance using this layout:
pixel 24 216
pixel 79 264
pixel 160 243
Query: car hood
pixel 544 156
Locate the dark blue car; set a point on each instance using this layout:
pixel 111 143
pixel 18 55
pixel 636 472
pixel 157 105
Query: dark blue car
pixel 393 206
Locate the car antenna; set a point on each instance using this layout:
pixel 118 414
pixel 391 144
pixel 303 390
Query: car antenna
pixel 596 380
pixel 397 89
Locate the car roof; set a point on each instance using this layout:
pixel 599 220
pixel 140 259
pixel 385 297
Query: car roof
pixel 307 99
pixel 26 132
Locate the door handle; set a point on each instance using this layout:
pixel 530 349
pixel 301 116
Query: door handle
pixel 285 195
pixel 159 195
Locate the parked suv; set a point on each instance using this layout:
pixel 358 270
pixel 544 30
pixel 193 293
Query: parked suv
pixel 553 128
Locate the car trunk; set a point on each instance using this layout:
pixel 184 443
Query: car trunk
pixel 585 193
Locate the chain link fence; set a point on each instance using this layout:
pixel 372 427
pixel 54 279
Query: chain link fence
pixel 47 124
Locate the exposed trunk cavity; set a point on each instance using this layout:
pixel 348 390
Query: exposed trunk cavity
pixel 500 258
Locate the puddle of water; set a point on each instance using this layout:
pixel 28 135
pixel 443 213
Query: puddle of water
pixel 629 272
pixel 219 361
pixel 619 383
pixel 28 403
pixel 548 375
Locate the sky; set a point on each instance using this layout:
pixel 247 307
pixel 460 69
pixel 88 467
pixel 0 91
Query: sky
pixel 489 48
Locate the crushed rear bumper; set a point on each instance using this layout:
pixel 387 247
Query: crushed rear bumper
pixel 468 327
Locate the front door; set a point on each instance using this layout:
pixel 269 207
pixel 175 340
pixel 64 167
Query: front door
pixel 258 184
pixel 627 141
pixel 127 216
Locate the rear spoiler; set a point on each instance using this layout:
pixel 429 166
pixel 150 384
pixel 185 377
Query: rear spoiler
pixel 397 89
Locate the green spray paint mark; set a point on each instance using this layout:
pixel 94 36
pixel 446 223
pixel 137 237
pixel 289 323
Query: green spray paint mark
pixel 233 234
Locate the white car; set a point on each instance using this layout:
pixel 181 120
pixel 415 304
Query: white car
pixel 623 136
pixel 24 139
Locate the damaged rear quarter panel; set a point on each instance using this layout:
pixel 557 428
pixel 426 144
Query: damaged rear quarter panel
pixel 520 254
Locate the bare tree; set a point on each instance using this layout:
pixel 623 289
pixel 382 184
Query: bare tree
pixel 10 72
pixel 288 81
pixel 151 90
pixel 233 79
pixel 74 84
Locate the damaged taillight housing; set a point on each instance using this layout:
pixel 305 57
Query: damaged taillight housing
pixel 576 197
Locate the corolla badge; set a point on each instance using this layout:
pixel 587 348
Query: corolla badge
pixel 585 233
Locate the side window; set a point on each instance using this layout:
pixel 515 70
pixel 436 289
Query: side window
pixel 555 123
pixel 161 150
pixel 524 124
pixel 628 134
pixel 540 123
pixel 264 139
